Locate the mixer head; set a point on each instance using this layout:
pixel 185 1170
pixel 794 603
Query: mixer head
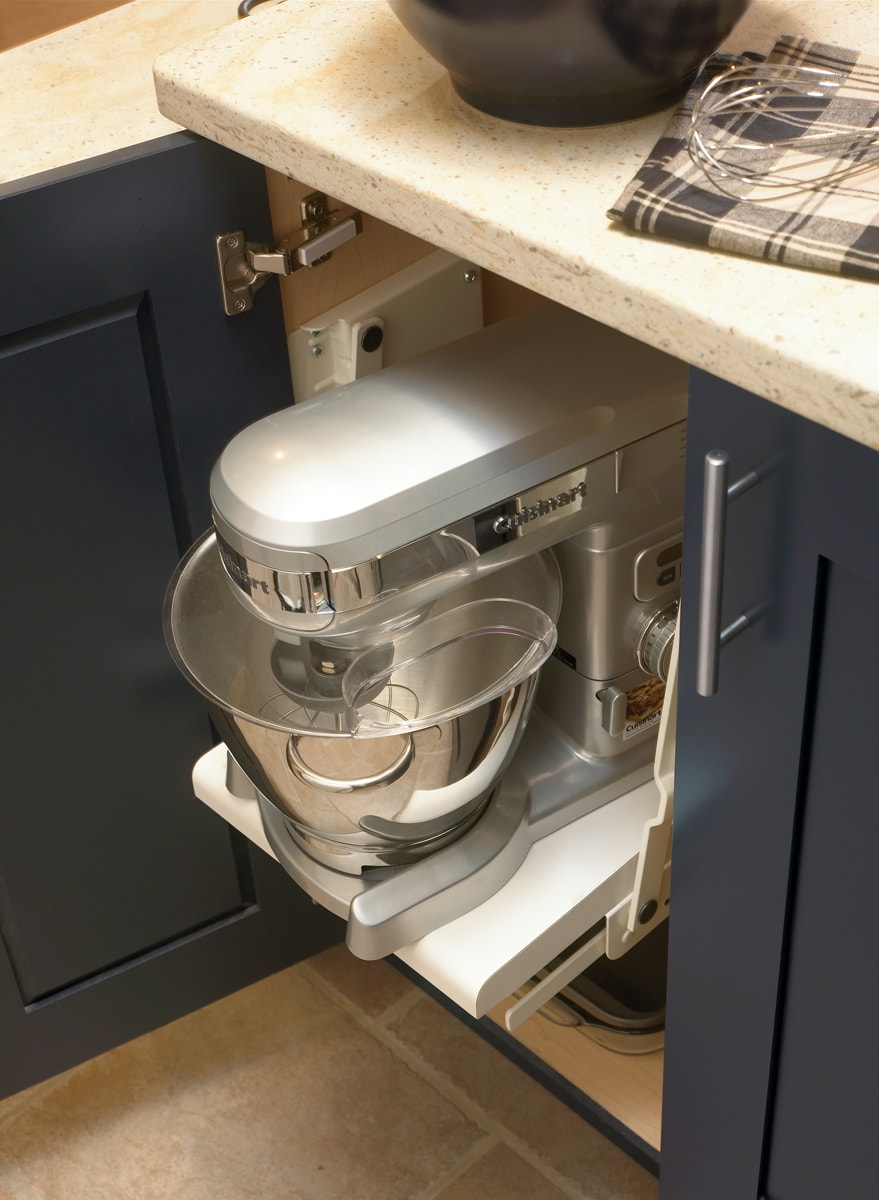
pixel 359 505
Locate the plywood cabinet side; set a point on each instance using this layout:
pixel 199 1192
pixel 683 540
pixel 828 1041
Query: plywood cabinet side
pixel 372 256
pixel 379 251
pixel 628 1086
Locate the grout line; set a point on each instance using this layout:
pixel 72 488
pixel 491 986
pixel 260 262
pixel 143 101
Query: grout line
pixel 450 1091
pixel 399 1008
pixel 435 1190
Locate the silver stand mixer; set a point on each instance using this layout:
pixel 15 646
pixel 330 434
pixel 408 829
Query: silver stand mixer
pixel 433 621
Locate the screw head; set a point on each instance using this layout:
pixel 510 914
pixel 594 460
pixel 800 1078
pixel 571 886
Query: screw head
pixel 239 305
pixel 316 351
pixel 470 276
pixel 231 243
pixel 316 208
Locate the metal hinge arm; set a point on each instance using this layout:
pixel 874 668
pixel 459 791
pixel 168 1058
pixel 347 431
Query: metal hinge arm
pixel 246 266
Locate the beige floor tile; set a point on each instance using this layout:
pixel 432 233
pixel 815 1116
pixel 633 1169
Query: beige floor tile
pixel 555 1136
pixel 271 1093
pixel 373 987
pixel 280 1093
pixel 501 1175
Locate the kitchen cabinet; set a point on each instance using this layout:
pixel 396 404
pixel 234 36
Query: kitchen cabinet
pixel 770 1067
pixel 103 931
pixel 123 902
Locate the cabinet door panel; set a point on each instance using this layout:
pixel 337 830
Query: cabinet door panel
pixel 823 1131
pixel 768 1078
pixel 95 691
pixel 735 798
pixel 123 901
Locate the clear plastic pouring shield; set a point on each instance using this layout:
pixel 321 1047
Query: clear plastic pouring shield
pixel 234 659
pixel 446 666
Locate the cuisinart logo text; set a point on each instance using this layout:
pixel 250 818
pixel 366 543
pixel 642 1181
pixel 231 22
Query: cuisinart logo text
pixel 542 508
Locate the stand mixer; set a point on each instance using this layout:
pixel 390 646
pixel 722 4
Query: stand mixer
pixel 470 560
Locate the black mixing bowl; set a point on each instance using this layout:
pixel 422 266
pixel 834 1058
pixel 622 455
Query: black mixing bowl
pixel 569 62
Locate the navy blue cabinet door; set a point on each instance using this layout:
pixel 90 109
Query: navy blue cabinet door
pixel 770 1076
pixel 123 902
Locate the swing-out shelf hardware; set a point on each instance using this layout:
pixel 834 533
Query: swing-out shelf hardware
pixel 245 266
pixel 610 865
pixel 602 865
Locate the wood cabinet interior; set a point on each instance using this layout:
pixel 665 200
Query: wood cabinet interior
pixel 23 20
pixel 378 252
pixel 628 1086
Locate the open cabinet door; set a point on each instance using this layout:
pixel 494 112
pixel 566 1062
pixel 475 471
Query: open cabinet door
pixel 770 1077
pixel 124 903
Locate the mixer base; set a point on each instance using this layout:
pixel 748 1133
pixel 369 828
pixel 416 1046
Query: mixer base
pixel 569 880
pixel 546 788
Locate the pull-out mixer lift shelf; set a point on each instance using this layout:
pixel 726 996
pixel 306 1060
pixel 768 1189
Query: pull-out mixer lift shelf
pixel 610 865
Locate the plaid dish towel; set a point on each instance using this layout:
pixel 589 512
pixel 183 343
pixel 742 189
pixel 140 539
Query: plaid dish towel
pixel 833 228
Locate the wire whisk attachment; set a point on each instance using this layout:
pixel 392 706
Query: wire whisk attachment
pixel 769 130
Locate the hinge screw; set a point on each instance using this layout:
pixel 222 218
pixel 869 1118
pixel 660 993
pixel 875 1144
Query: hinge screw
pixel 317 351
pixel 316 208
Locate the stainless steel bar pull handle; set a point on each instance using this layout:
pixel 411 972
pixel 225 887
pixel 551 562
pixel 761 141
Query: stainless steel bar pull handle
pixel 717 495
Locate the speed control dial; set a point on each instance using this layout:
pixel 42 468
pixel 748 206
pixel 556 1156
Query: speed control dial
pixel 655 642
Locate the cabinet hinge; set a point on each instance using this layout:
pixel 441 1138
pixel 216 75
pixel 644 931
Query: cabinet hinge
pixel 245 266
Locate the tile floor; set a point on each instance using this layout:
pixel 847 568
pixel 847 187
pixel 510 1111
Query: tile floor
pixel 333 1080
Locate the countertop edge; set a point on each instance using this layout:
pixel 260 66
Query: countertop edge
pixel 290 100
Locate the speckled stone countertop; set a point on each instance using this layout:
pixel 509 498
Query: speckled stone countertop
pixel 88 89
pixel 339 96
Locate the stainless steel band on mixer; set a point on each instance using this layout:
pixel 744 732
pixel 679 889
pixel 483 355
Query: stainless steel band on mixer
pixel 308 600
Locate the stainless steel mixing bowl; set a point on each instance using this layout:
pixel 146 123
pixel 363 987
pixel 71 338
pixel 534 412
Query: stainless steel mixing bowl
pixel 378 753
